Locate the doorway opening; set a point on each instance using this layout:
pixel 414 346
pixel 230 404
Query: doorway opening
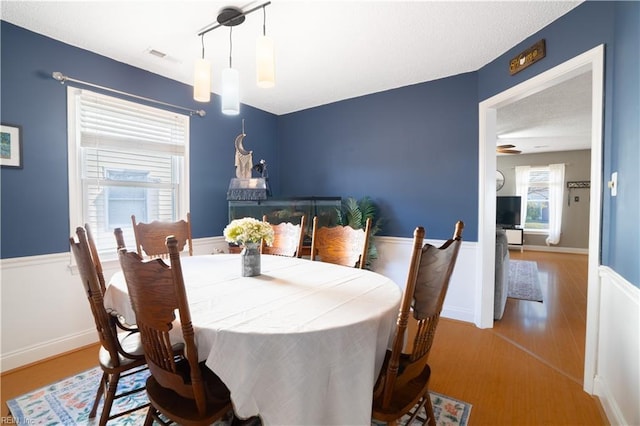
pixel 593 61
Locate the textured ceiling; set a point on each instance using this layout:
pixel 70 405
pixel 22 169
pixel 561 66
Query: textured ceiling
pixel 326 51
pixel 555 119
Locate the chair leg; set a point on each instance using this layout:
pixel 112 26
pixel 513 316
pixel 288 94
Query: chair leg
pixel 99 392
pixel 109 397
pixel 416 411
pixel 148 420
pixel 429 409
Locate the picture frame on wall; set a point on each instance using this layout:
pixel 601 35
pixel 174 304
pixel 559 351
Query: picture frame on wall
pixel 11 146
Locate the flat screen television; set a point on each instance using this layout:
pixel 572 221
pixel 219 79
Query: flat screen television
pixel 508 211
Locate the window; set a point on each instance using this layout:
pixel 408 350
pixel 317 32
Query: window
pixel 542 192
pixel 124 158
pixel 123 201
pixel 537 214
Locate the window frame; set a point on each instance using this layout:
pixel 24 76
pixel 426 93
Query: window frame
pixel 78 210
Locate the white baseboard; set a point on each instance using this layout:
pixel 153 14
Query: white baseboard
pixel 608 402
pixel 456 313
pixel 40 351
pixel 571 250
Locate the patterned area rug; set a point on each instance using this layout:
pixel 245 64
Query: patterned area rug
pixel 524 282
pixel 68 402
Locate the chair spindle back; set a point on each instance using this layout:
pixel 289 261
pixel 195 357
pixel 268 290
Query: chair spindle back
pixel 90 273
pixel 430 271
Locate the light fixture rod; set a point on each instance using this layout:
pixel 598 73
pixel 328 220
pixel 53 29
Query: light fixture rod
pixel 57 75
pixel 230 45
pixel 218 25
pixel 264 21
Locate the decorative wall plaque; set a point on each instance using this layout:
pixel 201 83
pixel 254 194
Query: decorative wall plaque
pixel 527 57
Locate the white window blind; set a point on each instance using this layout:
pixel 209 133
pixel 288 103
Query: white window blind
pixel 124 158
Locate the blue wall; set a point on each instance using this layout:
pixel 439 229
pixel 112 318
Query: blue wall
pixel 582 29
pixel 614 24
pixel 622 252
pixel 413 150
pixel 35 204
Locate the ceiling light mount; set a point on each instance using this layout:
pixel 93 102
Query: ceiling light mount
pixel 234 15
pixel 231 16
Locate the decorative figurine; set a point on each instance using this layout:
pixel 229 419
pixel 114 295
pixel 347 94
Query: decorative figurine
pixel 261 168
pixel 244 158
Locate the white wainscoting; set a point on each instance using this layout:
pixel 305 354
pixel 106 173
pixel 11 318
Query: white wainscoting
pixel 617 376
pixel 393 261
pixel 44 311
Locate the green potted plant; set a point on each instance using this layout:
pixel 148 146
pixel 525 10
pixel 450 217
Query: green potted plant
pixel 355 213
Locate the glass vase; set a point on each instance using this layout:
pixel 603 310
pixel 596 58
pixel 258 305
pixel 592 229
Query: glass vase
pixel 250 256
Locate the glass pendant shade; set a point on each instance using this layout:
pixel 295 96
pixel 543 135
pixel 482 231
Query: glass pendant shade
pixel 230 91
pixel 265 62
pixel 202 81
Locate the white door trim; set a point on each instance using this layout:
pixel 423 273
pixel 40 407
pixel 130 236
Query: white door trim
pixel 592 60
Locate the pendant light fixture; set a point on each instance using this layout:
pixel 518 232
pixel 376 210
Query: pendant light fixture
pixel 265 70
pixel 265 66
pixel 230 85
pixel 202 78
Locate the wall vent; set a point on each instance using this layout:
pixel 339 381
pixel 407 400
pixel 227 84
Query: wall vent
pixel 157 53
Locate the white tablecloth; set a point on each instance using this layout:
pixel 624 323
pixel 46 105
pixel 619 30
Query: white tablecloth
pixel 301 344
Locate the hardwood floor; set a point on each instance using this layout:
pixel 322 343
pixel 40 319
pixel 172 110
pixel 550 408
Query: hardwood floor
pixel 555 329
pixel 527 370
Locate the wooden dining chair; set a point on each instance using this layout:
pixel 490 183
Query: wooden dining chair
pixel 341 245
pixel 402 386
pixel 179 388
pixel 120 354
pixel 95 258
pixel 117 232
pixel 150 237
pixel 287 239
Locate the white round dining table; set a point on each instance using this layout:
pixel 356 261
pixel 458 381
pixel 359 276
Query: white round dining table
pixel 300 344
